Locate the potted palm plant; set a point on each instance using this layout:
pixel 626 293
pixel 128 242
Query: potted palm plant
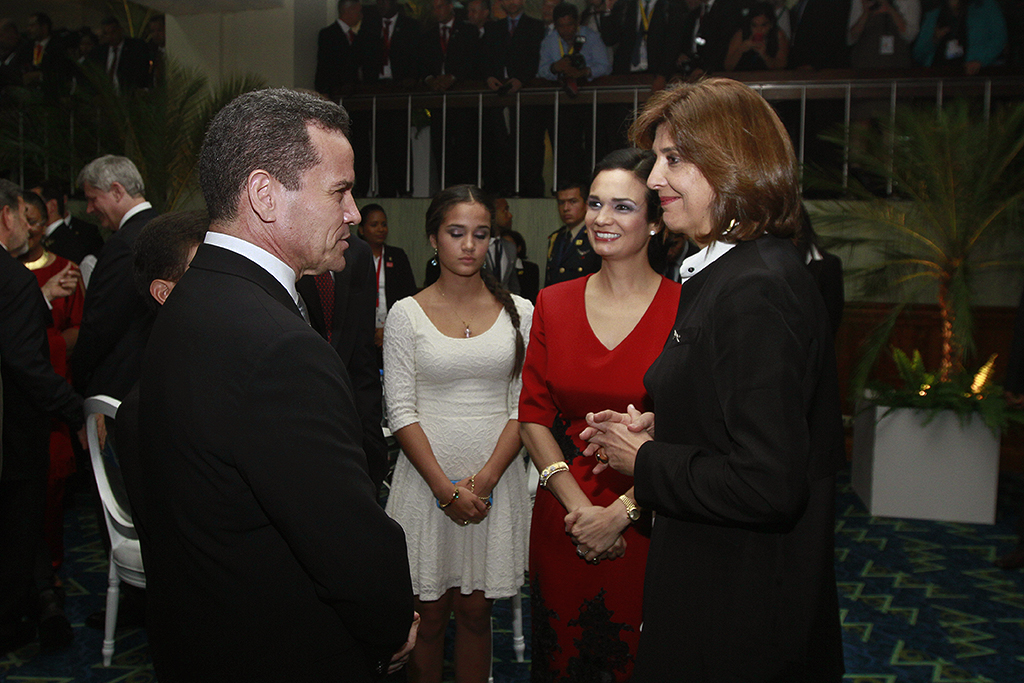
pixel 928 447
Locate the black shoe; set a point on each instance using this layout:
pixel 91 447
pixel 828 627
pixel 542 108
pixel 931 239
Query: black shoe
pixel 55 633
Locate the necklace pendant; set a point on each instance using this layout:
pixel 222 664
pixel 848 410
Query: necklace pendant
pixel 468 333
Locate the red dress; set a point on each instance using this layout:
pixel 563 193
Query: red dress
pixel 585 618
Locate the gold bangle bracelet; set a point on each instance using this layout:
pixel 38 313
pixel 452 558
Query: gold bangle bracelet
pixel 455 497
pixel 551 470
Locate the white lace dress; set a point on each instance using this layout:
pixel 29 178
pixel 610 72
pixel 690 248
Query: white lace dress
pixel 460 392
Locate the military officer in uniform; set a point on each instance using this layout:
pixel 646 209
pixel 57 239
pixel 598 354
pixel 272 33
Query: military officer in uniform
pixel 569 252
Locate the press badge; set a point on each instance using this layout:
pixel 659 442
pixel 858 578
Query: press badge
pixel 954 50
pixel 887 46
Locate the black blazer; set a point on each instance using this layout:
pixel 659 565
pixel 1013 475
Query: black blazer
pixel 663 37
pixel 404 43
pixel 352 338
pixel 716 29
pixel 828 276
pixel 529 280
pixel 740 580
pixel 519 53
pixel 115 320
pixel 568 261
pixel 337 64
pixel 74 242
pixel 32 390
pixel 819 35
pixel 462 60
pixel 399 282
pixel 265 548
pixel 133 70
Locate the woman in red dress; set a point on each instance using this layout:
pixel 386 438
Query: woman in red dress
pixel 592 340
pixel 56 276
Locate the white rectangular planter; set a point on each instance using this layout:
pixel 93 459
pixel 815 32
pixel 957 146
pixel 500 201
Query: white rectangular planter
pixel 940 471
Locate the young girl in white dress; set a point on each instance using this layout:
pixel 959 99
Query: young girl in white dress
pixel 452 360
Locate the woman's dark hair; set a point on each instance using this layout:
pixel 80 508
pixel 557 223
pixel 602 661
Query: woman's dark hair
pixel 367 210
pixel 520 241
pixel 766 10
pixel 639 162
pixel 442 203
pixel 736 140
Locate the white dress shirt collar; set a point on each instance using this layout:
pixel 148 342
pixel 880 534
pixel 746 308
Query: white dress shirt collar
pixel 280 270
pixel 138 208
pixel 692 265
pixel 53 226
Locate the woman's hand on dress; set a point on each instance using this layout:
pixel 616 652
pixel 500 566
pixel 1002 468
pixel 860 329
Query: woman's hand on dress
pixel 596 527
pixel 467 508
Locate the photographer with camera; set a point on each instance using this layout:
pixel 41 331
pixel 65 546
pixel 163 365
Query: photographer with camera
pixel 572 52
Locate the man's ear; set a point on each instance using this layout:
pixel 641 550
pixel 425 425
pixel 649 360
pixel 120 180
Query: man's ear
pixel 118 191
pixel 160 290
pixel 261 191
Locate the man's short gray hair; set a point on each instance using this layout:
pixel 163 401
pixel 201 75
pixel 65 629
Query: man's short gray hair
pixel 103 172
pixel 9 194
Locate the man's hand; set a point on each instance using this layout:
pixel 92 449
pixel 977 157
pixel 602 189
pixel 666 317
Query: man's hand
pixel 63 283
pixel 493 83
pixel 402 656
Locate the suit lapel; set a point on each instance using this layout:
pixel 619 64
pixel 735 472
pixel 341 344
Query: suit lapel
pixel 220 260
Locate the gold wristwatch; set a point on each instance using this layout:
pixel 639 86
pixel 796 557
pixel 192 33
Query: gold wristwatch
pixel 632 510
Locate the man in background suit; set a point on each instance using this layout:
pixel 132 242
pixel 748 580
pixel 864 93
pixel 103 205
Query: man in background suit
pixel 646 37
pixel 49 67
pixel 450 51
pixel 349 300
pixel 125 60
pixel 33 393
pixel 569 253
pixel 511 54
pixel 117 318
pixel 66 236
pixel 387 44
pixel 267 555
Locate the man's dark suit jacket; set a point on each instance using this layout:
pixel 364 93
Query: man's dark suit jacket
pixel 529 280
pixel 663 36
pixel 32 390
pixel 717 28
pixel 133 69
pixel 740 581
pixel 267 556
pixel 566 260
pixel 116 319
pixel 404 43
pixel 337 66
pixel 462 59
pixel 519 53
pixel 352 337
pixel 819 35
pixel 74 242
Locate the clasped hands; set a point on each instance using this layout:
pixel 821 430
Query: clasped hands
pixel 471 507
pixel 614 438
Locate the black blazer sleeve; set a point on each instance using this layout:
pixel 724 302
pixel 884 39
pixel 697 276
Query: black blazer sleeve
pixel 762 371
pixel 399 282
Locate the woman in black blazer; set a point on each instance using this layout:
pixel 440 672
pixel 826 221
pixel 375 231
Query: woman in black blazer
pixel 391 267
pixel 738 459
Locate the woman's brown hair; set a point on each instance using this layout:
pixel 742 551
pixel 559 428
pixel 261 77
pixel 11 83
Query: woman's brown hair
pixel 738 143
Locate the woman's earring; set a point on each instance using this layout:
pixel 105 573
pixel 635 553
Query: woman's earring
pixel 732 224
pixel 653 233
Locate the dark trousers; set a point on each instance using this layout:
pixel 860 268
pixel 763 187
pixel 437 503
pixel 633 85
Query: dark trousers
pixel 22 509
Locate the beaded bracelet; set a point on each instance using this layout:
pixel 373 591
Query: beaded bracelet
pixel 455 497
pixel 551 470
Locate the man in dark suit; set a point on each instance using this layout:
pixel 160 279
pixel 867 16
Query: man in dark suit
pixel 646 37
pixel 387 54
pixel 337 66
pixel 819 34
pixel 348 297
pixel 267 555
pixel 125 60
pixel 33 393
pixel 569 253
pixel 116 318
pixel 449 51
pixel 707 31
pixel 66 236
pixel 511 53
pixel 49 67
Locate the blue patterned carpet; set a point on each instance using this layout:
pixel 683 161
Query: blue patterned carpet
pixel 921 602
